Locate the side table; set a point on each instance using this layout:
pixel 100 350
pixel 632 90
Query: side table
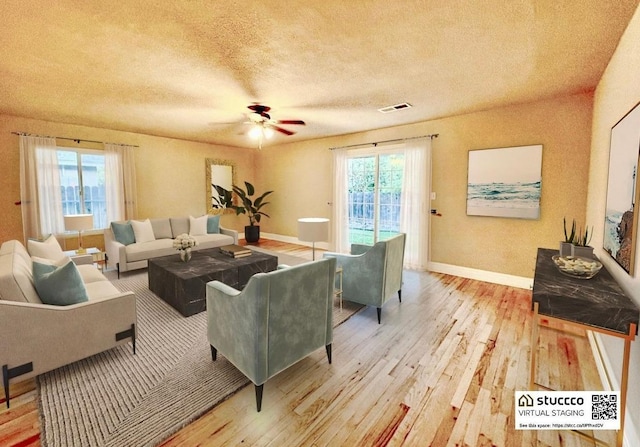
pixel 91 255
pixel 597 304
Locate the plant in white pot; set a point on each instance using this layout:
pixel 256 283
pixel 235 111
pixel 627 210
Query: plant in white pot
pixel 250 207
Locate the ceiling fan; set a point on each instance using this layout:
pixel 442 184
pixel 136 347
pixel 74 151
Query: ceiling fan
pixel 261 120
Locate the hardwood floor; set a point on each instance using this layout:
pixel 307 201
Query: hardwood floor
pixel 440 370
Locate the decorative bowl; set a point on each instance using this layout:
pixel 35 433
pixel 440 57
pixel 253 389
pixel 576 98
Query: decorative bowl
pixel 577 267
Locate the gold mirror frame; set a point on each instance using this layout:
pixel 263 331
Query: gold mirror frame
pixel 218 170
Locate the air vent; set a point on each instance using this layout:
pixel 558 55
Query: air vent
pixel 389 109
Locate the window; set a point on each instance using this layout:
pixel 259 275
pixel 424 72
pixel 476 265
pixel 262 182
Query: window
pixel 82 183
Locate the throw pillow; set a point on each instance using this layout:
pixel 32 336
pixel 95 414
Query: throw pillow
pixel 123 232
pixel 143 230
pixel 55 263
pixel 161 228
pixel 179 225
pixel 60 286
pixel 213 224
pixel 198 225
pixel 49 249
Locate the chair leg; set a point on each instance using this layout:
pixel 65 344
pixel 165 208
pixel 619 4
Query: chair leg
pixel 214 353
pixel 328 347
pixel 5 384
pixel 400 295
pixel 379 313
pixel 259 389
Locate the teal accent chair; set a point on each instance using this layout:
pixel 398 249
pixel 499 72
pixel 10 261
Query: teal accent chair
pixel 372 274
pixel 279 318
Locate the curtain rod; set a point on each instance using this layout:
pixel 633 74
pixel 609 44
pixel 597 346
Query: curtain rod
pixel 375 143
pixel 77 140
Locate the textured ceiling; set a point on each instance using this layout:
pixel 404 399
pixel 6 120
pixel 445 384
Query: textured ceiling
pixel 188 69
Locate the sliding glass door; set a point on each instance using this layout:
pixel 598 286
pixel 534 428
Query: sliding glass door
pixel 374 196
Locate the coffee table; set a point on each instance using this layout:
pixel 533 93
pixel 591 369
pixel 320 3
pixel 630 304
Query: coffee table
pixel 183 284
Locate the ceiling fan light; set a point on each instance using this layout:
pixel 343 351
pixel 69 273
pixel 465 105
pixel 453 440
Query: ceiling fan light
pixel 268 132
pixel 255 132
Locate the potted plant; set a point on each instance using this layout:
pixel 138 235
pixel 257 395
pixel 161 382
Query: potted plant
pixel 581 246
pixel 566 247
pixel 576 242
pixel 250 207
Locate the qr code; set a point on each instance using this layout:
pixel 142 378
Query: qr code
pixel 604 407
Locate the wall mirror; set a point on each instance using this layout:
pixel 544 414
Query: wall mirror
pixel 222 173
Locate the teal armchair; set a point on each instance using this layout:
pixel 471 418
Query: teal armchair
pixel 372 274
pixel 278 319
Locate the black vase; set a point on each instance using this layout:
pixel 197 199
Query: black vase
pixel 252 233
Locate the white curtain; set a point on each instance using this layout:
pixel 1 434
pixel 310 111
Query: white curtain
pixel 340 199
pixel 120 182
pixel 40 189
pixel 414 209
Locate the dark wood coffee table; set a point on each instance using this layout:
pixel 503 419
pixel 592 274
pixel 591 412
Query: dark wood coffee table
pixel 183 284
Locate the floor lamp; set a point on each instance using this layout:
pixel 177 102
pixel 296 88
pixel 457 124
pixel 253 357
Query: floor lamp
pixel 78 222
pixel 313 229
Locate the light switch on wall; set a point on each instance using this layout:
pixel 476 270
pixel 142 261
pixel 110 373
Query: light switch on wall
pixel 433 196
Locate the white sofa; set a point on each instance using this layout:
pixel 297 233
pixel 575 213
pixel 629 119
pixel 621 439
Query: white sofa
pixel 36 337
pixel 136 255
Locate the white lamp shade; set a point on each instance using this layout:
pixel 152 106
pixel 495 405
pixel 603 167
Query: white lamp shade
pixel 78 222
pixel 313 229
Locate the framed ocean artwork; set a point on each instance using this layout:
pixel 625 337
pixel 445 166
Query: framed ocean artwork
pixel 505 182
pixel 621 213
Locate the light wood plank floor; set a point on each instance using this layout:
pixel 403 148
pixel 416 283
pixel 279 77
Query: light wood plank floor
pixel 440 370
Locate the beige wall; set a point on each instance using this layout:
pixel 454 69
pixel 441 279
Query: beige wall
pixel 170 173
pixel 616 94
pixel 301 175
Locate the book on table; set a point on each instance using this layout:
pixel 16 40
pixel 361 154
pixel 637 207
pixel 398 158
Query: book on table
pixel 235 251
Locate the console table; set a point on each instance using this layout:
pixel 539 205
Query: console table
pixel 597 304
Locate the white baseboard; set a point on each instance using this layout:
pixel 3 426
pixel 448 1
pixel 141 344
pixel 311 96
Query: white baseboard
pixel 481 275
pixel 609 382
pixel 292 240
pixel 464 272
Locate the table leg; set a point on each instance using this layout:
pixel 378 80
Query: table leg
pixel 534 347
pixel 625 382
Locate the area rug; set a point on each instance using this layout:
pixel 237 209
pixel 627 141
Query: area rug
pixel 119 399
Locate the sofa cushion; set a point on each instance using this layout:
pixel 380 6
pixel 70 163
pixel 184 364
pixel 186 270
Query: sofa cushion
pixel 213 240
pixel 143 230
pixel 161 228
pixel 89 274
pixel 16 279
pixel 147 250
pixel 61 286
pixel 213 224
pixel 197 225
pixel 100 290
pixel 9 247
pixel 49 249
pixel 179 225
pixel 123 232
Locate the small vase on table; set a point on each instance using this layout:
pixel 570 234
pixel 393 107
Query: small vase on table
pixel 185 255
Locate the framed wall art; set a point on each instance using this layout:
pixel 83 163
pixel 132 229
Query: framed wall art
pixel 621 213
pixel 505 182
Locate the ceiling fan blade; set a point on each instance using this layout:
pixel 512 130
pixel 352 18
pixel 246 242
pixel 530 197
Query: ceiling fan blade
pixel 290 122
pixel 281 130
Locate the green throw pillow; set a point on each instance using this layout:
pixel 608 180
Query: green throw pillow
pixel 60 286
pixel 123 232
pixel 213 224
